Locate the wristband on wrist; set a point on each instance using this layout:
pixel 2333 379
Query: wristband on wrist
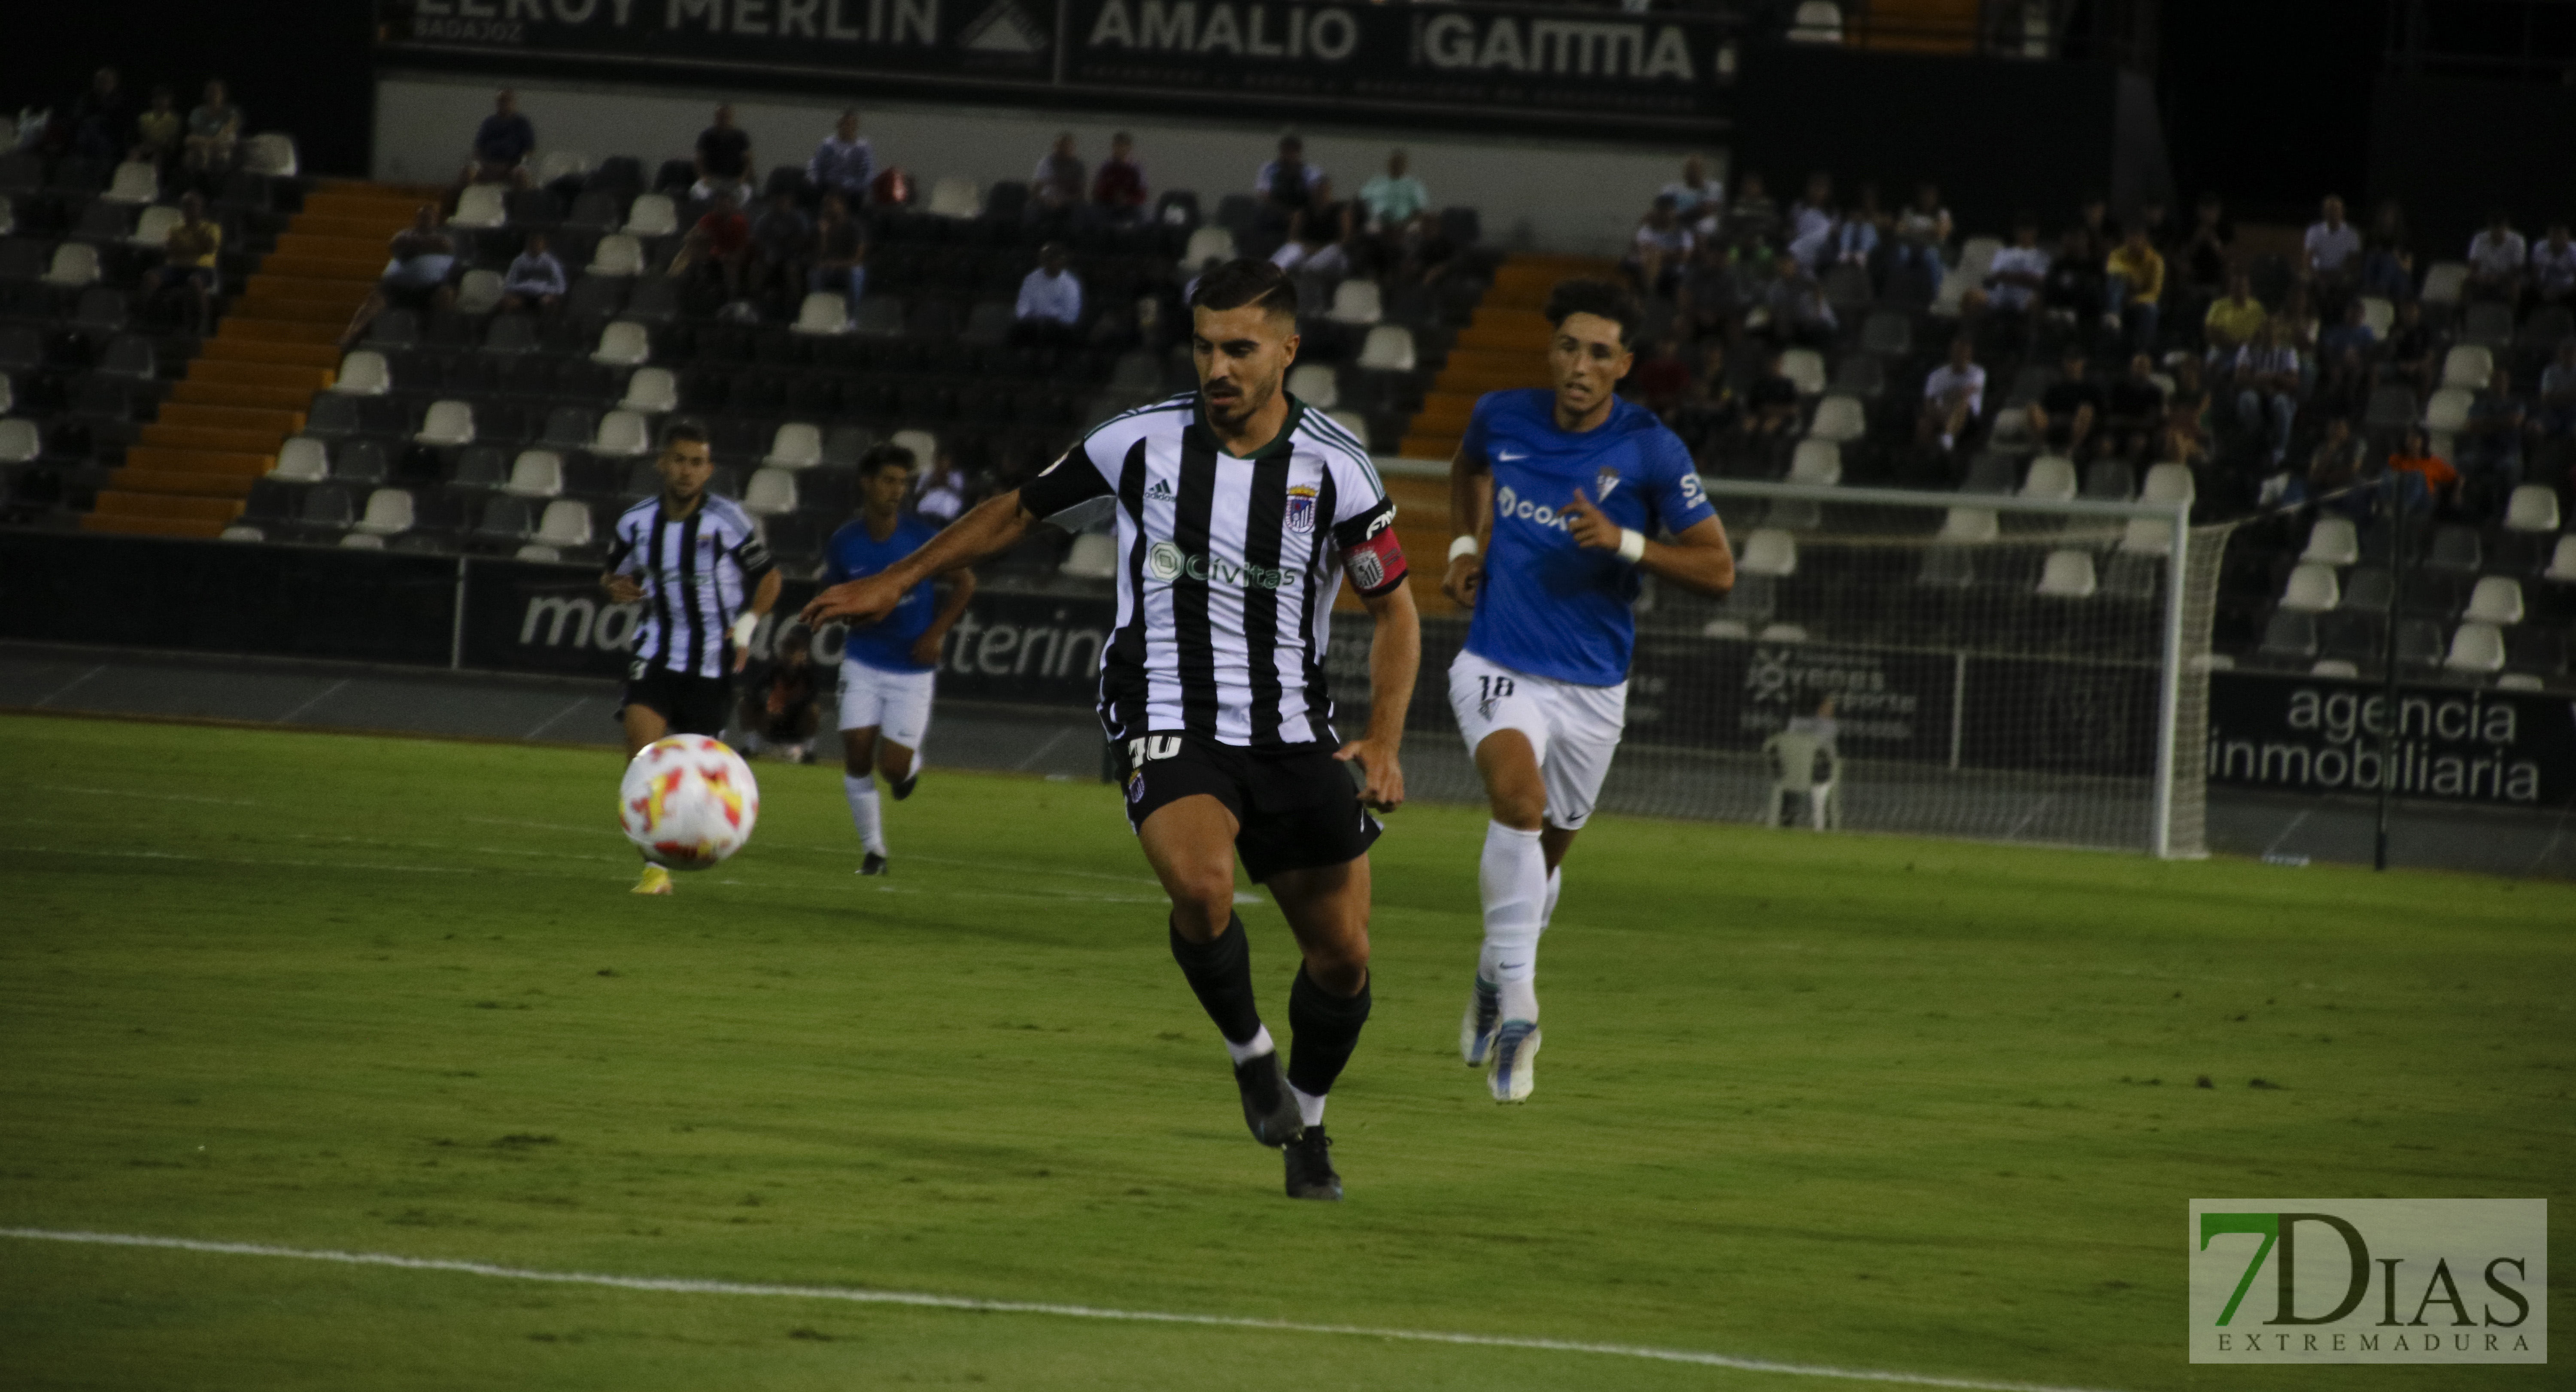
pixel 1632 545
pixel 742 628
pixel 1463 546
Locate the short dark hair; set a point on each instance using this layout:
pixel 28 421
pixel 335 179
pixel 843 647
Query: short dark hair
pixel 889 455
pixel 1246 281
pixel 683 430
pixel 1601 297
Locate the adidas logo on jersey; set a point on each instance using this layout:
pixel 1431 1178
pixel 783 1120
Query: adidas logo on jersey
pixel 1160 489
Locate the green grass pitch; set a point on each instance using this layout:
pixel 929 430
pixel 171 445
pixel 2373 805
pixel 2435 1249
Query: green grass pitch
pixel 1857 1101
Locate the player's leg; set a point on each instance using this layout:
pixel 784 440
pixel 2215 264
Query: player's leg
pixel 903 723
pixel 1506 730
pixel 1327 907
pixel 1583 724
pixel 644 721
pixel 861 701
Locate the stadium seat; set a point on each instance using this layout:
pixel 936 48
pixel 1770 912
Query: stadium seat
pixel 2051 479
pixel 388 512
pixel 130 356
pixel 2168 484
pixel 2496 600
pixel 1388 348
pixel 1355 301
pixel 2334 667
pixel 623 344
pixel 2456 550
pixel 566 524
pixel 772 491
pixel 1967 526
pixel 2447 413
pixel 921 444
pixel 1990 471
pixel 271 153
pixel 1768 551
pixel 824 312
pixel 1860 375
pixel 2147 536
pixel 1355 423
pixel 136 181
pixel 1839 419
pixel 2333 541
pixel 301 460
pixel 2311 589
pixel 2290 637
pixel 1316 385
pixel 618 254
pixel 651 215
pixel 1210 243
pixel 504 520
pixel 955 196
pixel 795 446
pixel 2444 281
pixel 879 316
pixel 2477 649
pixel 2110 480
pixel 2378 314
pixel 480 207
pixel 843 444
pixel 363 372
pixel 1887 334
pixel 561 164
pixel 1816 22
pixel 2562 561
pixel 537 551
pixel 152 230
pixel 362 541
pixel 100 310
pixel 19 441
pixel 651 391
pixel 447 423
pixel 622 435
pixel 2367 590
pixel 1795 757
pixel 2487 325
pixel 1806 367
pixel 1947 567
pixel 479 292
pixel 2469 366
pixel 1093 556
pixel 480 466
pixel 241 531
pixel 2532 507
pixel 363 461
pixel 75 264
pixel 1816 463
pixel 535 474
pixel 2067 575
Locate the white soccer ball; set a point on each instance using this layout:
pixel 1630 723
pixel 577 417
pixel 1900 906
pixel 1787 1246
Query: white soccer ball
pixel 688 802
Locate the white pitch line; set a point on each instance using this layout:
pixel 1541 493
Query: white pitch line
pixel 674 1285
pixel 150 797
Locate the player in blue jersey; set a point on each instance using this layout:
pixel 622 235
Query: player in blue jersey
pixel 887 667
pixel 1556 499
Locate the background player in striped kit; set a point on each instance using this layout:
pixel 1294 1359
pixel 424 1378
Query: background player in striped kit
pixel 704 577
pixel 1239 512
pixel 1555 498
pixel 889 667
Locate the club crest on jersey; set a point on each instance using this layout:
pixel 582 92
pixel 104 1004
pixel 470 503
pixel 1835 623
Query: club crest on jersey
pixel 1301 509
pixel 1603 482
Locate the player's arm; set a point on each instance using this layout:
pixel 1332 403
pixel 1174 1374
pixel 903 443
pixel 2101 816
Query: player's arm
pixel 1374 560
pixel 988 529
pixel 961 588
pixel 753 556
pixel 1697 558
pixel 622 587
pixel 1471 481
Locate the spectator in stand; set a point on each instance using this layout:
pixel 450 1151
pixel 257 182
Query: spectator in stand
pixel 2295 321
pixel 2496 260
pixel 2330 256
pixel 893 187
pixel 1708 308
pixel 782 252
pixel 2343 362
pixel 1855 237
pixel 2207 252
pixel 1954 398
pixel 941 494
pixel 1663 245
pixel 190 257
pixel 214 133
pixel 1753 213
pixel 1696 197
pixel 1799 314
pixel 2072 292
pixel 718 245
pixel 501 145
pixel 840 252
pixel 2135 410
pixel 2556 418
pixel 2436 483
pixel 2267 375
pixel 157 132
pixel 1313 253
pixel 1049 313
pixel 1660 379
pixel 1394 198
pixel 1423 252
pixel 1290 189
pixel 2101 230
pixel 2411 359
pixel 2553 267
pixel 1811 220
pixel 845 163
pixel 2490 448
pixel 1118 192
pixel 2066 415
pixel 1922 245
pixel 2231 322
pixel 1056 185
pixel 98 118
pixel 724 161
pixel 1709 411
pixel 2352 334
pixel 2014 280
pixel 1770 404
pixel 2185 439
pixel 416 276
pixel 2387 255
pixel 2136 282
pixel 535 279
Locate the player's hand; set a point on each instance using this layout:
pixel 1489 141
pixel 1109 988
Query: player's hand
pixel 623 589
pixel 856 602
pixel 1591 528
pixel 1466 575
pixel 925 649
pixel 741 658
pixel 1383 790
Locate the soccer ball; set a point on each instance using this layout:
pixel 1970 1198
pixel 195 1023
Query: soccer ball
pixel 688 802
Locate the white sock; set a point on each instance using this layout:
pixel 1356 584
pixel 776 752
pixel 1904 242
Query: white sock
pixel 863 812
pixel 1252 1048
pixel 1310 1110
pixel 1513 878
pixel 1555 886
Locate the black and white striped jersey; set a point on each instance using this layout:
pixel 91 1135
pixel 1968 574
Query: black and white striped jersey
pixel 1227 569
pixel 698 572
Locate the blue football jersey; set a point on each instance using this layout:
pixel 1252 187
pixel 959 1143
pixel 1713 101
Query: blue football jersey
pixel 886 644
pixel 1548 606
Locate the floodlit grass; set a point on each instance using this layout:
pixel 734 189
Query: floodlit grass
pixel 1868 1102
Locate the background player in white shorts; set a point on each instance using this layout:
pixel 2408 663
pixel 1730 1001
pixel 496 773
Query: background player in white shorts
pixel 1554 497
pixel 889 666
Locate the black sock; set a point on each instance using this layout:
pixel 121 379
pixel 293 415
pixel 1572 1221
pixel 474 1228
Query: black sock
pixel 1220 971
pixel 1327 1028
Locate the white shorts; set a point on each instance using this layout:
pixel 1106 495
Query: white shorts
pixel 895 704
pixel 1572 728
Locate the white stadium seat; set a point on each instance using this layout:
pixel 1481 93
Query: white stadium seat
pixel 301 460
pixel 153 228
pixel 1768 551
pixel 567 523
pixel 795 446
pixel 651 391
pixel 651 215
pixel 1816 463
pixel 1388 348
pixel 824 312
pixel 2068 575
pixel 480 292
pixel 623 344
pixel 955 196
pixel 772 492
pixel 448 423
pixel 136 181
pixel 480 207
pixel 388 513
pixel 622 435
pixel 2312 589
pixel 617 255
pixel 363 372
pixel 1316 385
pixel 535 474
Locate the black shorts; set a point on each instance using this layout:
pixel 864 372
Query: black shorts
pixel 419 299
pixel 1295 811
pixel 690 705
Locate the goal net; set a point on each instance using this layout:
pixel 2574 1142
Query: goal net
pixel 1996 667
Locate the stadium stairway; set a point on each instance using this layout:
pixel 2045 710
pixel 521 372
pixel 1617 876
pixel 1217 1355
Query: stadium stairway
pixel 1920 26
pixel 1504 346
pixel 246 391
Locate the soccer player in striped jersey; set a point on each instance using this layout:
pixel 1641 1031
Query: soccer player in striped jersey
pixel 1556 498
pixel 1240 510
pixel 705 578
